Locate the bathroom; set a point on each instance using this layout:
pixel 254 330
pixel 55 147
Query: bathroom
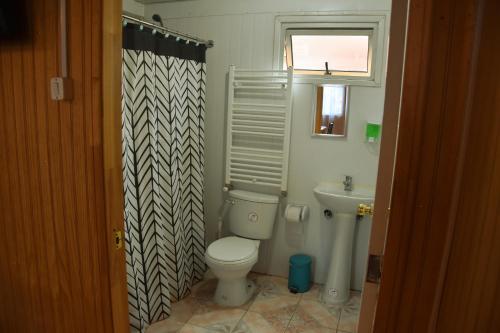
pixel 246 35
pixel 249 166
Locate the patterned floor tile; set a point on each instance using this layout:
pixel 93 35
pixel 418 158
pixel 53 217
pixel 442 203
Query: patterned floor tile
pixel 314 293
pixel 321 314
pixel 311 330
pixel 254 322
pixel 355 299
pixel 183 310
pixel 204 289
pixel 274 284
pixel 193 329
pixel 304 327
pixel 350 314
pixel 277 309
pixel 219 320
pixel 348 323
pixel 169 325
pixel 269 301
pixel 272 310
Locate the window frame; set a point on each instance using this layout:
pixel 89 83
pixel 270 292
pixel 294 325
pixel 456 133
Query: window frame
pixel 332 21
pixel 331 32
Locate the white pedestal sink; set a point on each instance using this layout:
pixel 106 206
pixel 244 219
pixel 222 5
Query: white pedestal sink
pixel 344 205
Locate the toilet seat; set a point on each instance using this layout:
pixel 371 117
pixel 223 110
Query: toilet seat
pixel 233 250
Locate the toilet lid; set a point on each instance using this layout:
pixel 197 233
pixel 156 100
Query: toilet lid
pixel 232 249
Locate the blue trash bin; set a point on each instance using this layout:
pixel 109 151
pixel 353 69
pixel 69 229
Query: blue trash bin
pixel 299 276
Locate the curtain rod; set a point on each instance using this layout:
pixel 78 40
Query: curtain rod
pixel 187 37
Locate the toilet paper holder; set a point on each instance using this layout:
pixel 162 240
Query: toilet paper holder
pixel 292 211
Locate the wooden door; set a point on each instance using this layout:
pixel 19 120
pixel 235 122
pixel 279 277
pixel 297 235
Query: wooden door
pixel 60 194
pixel 469 299
pixel 442 256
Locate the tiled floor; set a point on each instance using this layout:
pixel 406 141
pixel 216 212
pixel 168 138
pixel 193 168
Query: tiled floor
pixel 273 309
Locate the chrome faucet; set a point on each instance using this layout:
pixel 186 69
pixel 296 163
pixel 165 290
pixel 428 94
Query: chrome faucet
pixel 347 183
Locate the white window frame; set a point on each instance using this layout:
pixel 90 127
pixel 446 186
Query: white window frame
pixel 338 22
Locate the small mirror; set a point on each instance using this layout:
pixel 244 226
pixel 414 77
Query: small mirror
pixel 330 111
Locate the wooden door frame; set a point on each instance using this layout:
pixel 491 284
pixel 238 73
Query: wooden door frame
pixel 431 104
pixel 435 105
pixel 112 145
pixel 392 104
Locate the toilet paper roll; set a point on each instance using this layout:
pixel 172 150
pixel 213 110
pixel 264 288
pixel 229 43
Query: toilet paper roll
pixel 294 228
pixel 293 213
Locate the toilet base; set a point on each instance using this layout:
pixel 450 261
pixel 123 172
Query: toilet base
pixel 234 292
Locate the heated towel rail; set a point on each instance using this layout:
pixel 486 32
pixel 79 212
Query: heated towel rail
pixel 258 127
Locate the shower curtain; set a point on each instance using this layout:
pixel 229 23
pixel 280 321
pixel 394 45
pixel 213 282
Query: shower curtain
pixel 163 105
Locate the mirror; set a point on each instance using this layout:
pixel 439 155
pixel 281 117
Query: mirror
pixel 330 111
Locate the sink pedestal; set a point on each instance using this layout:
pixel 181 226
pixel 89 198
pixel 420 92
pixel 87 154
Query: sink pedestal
pixel 337 286
pixel 344 205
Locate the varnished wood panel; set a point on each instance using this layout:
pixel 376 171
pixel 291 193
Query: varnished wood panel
pixel 441 265
pixel 56 249
pixel 471 296
pixel 395 64
pixel 112 62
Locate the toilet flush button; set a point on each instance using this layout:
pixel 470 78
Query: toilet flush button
pixel 253 217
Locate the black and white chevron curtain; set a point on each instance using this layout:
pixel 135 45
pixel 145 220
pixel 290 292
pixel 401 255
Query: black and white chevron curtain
pixel 163 106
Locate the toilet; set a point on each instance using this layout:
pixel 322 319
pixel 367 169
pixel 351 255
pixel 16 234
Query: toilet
pixel 251 219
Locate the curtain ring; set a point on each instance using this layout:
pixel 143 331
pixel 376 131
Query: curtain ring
pixel 141 27
pixel 125 23
pixel 154 31
pixel 166 35
pixel 177 39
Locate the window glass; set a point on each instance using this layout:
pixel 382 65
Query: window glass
pixel 346 53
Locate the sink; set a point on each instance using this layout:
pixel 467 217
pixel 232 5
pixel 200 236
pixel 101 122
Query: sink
pixel 333 196
pixel 344 205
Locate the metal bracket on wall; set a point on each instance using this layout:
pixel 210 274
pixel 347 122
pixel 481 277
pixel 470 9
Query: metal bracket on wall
pixel 118 238
pixel 374 271
pixel 61 87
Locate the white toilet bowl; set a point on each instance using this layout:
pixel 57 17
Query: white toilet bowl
pixel 231 259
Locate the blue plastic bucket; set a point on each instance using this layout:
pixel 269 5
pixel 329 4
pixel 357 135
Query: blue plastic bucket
pixel 299 275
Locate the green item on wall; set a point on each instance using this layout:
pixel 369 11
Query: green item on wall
pixel 372 132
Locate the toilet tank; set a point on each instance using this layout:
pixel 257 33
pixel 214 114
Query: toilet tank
pixel 252 215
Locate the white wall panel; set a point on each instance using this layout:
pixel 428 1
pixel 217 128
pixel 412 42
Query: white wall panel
pixel 134 7
pixel 243 32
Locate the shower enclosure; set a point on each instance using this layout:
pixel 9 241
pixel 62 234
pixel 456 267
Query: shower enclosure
pixel 163 106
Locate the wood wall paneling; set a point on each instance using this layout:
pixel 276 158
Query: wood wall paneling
pixel 54 236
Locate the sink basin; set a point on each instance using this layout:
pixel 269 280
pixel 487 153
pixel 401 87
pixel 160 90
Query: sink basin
pixel 344 205
pixel 333 196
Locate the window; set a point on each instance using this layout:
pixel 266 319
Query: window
pixel 329 52
pixel 352 44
